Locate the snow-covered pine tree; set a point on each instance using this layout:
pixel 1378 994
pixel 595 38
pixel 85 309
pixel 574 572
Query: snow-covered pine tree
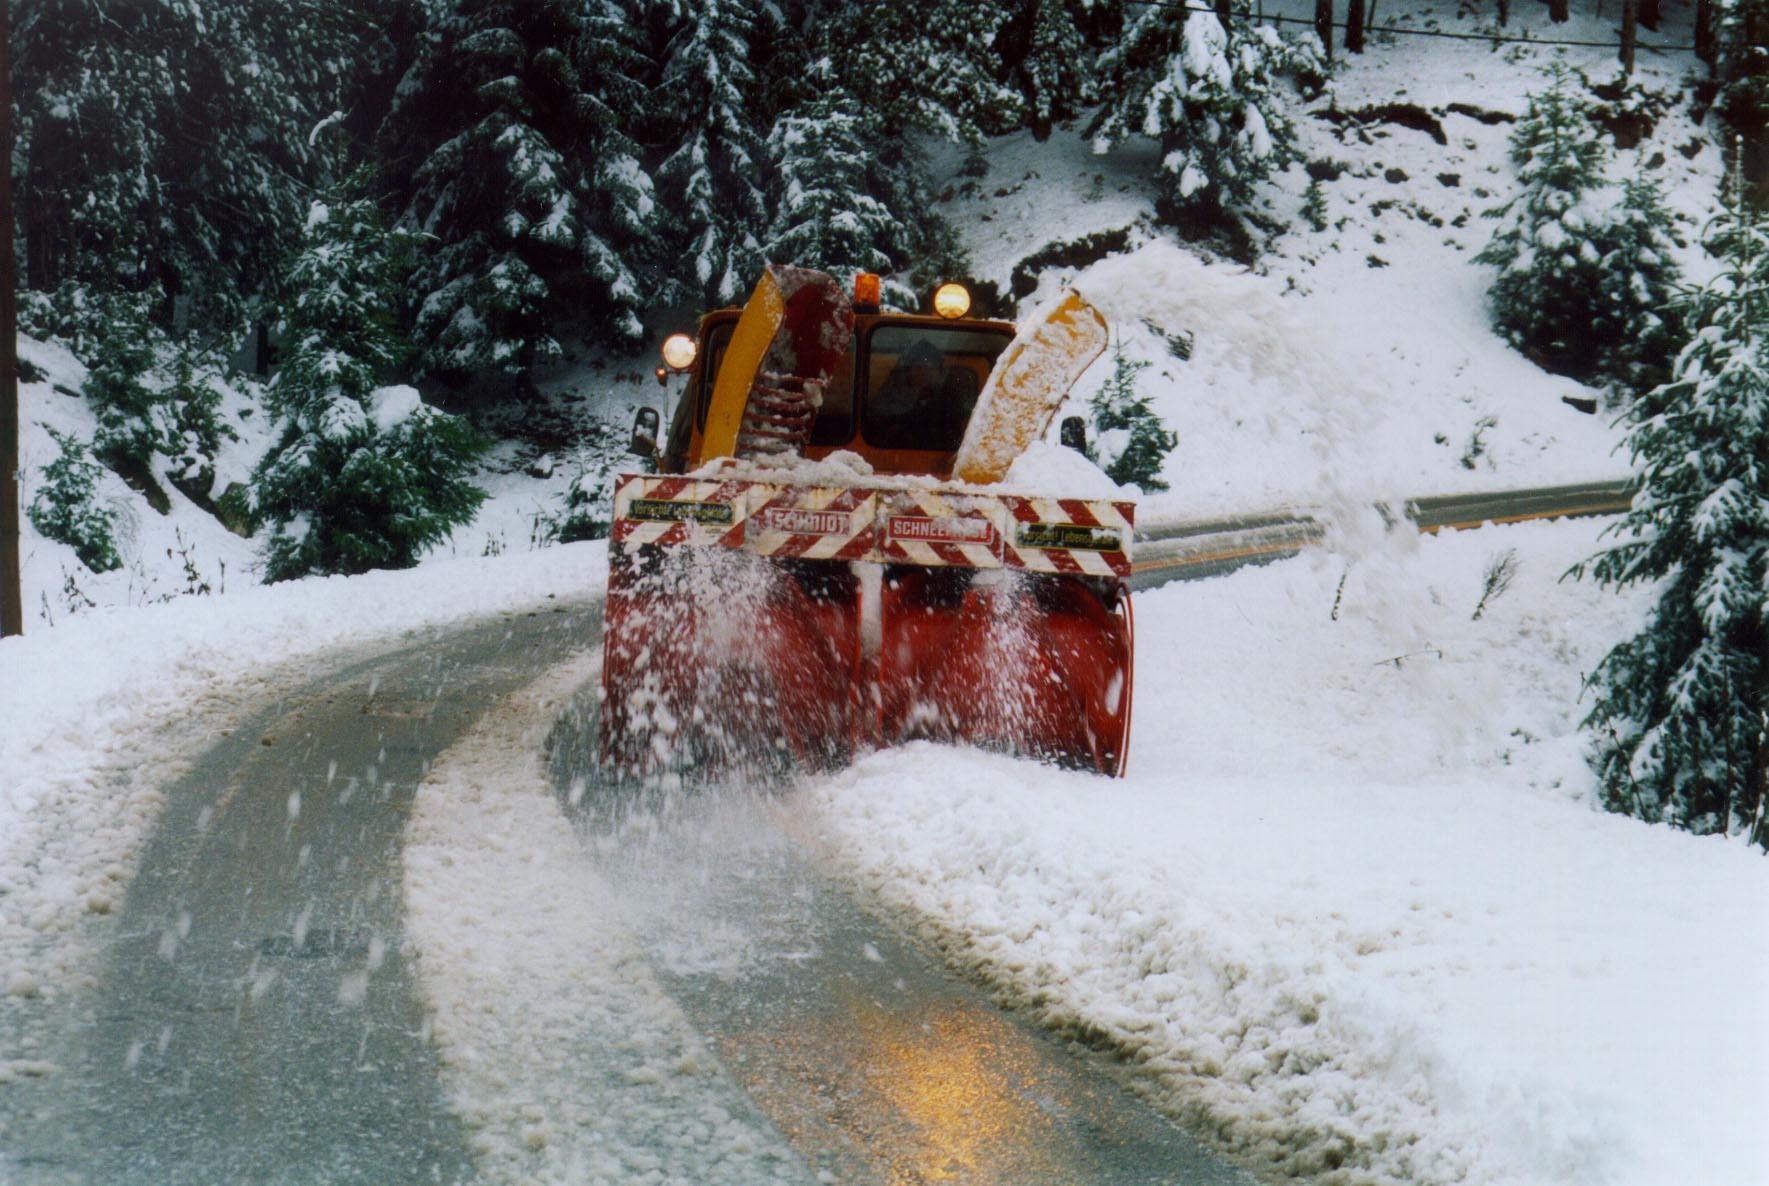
pixel 928 65
pixel 361 476
pixel 714 182
pixel 1131 442
pixel 1681 720
pixel 134 418
pixel 163 143
pixel 920 68
pixel 1210 95
pixel 825 215
pixel 1053 68
pixel 512 128
pixel 1741 64
pixel 1638 283
pixel 1552 236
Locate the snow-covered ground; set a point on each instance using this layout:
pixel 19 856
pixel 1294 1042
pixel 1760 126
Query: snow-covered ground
pixel 1353 909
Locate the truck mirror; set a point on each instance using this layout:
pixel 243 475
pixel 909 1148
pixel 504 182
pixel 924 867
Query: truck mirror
pixel 1074 432
pixel 645 425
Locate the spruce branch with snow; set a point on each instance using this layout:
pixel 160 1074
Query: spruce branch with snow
pixel 825 215
pixel 163 143
pixel 361 476
pixel 1681 719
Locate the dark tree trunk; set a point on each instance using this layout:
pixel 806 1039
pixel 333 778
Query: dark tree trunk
pixel 1504 12
pixel 1354 26
pixel 1630 33
pixel 1704 31
pixel 1557 12
pixel 1224 10
pixel 1323 25
pixel 1649 14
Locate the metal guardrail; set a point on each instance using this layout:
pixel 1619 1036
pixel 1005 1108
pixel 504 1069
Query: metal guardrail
pixel 1191 549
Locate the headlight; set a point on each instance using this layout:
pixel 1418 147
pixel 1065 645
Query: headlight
pixel 951 299
pixel 679 351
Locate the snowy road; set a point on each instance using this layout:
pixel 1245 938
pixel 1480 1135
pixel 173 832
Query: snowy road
pixel 254 1020
pixel 259 1018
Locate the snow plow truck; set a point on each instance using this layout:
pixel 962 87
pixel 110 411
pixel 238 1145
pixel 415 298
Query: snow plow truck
pixel 826 559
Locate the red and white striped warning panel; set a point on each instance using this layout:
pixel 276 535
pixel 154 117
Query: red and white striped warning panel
pixel 813 522
pixel 671 511
pixel 928 527
pixel 1068 535
pixel 931 527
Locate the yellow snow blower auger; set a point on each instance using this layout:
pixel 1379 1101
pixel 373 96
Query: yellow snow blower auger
pixel 827 561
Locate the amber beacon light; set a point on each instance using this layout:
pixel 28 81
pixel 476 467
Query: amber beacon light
pixel 866 292
pixel 951 299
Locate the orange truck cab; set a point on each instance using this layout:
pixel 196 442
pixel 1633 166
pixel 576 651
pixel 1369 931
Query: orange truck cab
pixel 901 399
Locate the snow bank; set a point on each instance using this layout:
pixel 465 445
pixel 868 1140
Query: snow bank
pixel 1352 912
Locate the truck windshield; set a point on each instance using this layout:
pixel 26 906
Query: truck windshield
pixel 922 383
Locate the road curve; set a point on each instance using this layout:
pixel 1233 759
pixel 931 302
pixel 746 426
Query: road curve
pixel 256 1019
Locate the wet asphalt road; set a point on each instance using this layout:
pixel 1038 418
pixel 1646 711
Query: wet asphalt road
pixel 255 1022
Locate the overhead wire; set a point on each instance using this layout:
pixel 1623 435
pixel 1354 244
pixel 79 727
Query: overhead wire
pixel 1494 38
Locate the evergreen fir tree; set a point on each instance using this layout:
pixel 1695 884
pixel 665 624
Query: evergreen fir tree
pixel 928 65
pixel 513 127
pixel 714 180
pixel 65 507
pixel 135 420
pixel 825 216
pixel 1054 73
pixel 1637 288
pixel 1132 443
pixel 1681 720
pixel 361 476
pixel 163 143
pixel 1741 65
pixel 1210 95
pixel 1552 236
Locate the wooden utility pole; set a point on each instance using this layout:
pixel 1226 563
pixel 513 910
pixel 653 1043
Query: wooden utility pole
pixel 1630 33
pixel 1354 26
pixel 1323 25
pixel 12 603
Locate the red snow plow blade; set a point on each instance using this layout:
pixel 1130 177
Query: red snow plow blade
pixel 784 624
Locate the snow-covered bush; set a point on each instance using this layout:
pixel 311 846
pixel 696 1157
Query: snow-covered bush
pixel 588 504
pixel 1131 442
pixel 1210 95
pixel 361 476
pixel 66 508
pixel 1681 721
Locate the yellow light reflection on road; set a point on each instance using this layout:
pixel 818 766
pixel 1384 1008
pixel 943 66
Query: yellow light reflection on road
pixel 949 1094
